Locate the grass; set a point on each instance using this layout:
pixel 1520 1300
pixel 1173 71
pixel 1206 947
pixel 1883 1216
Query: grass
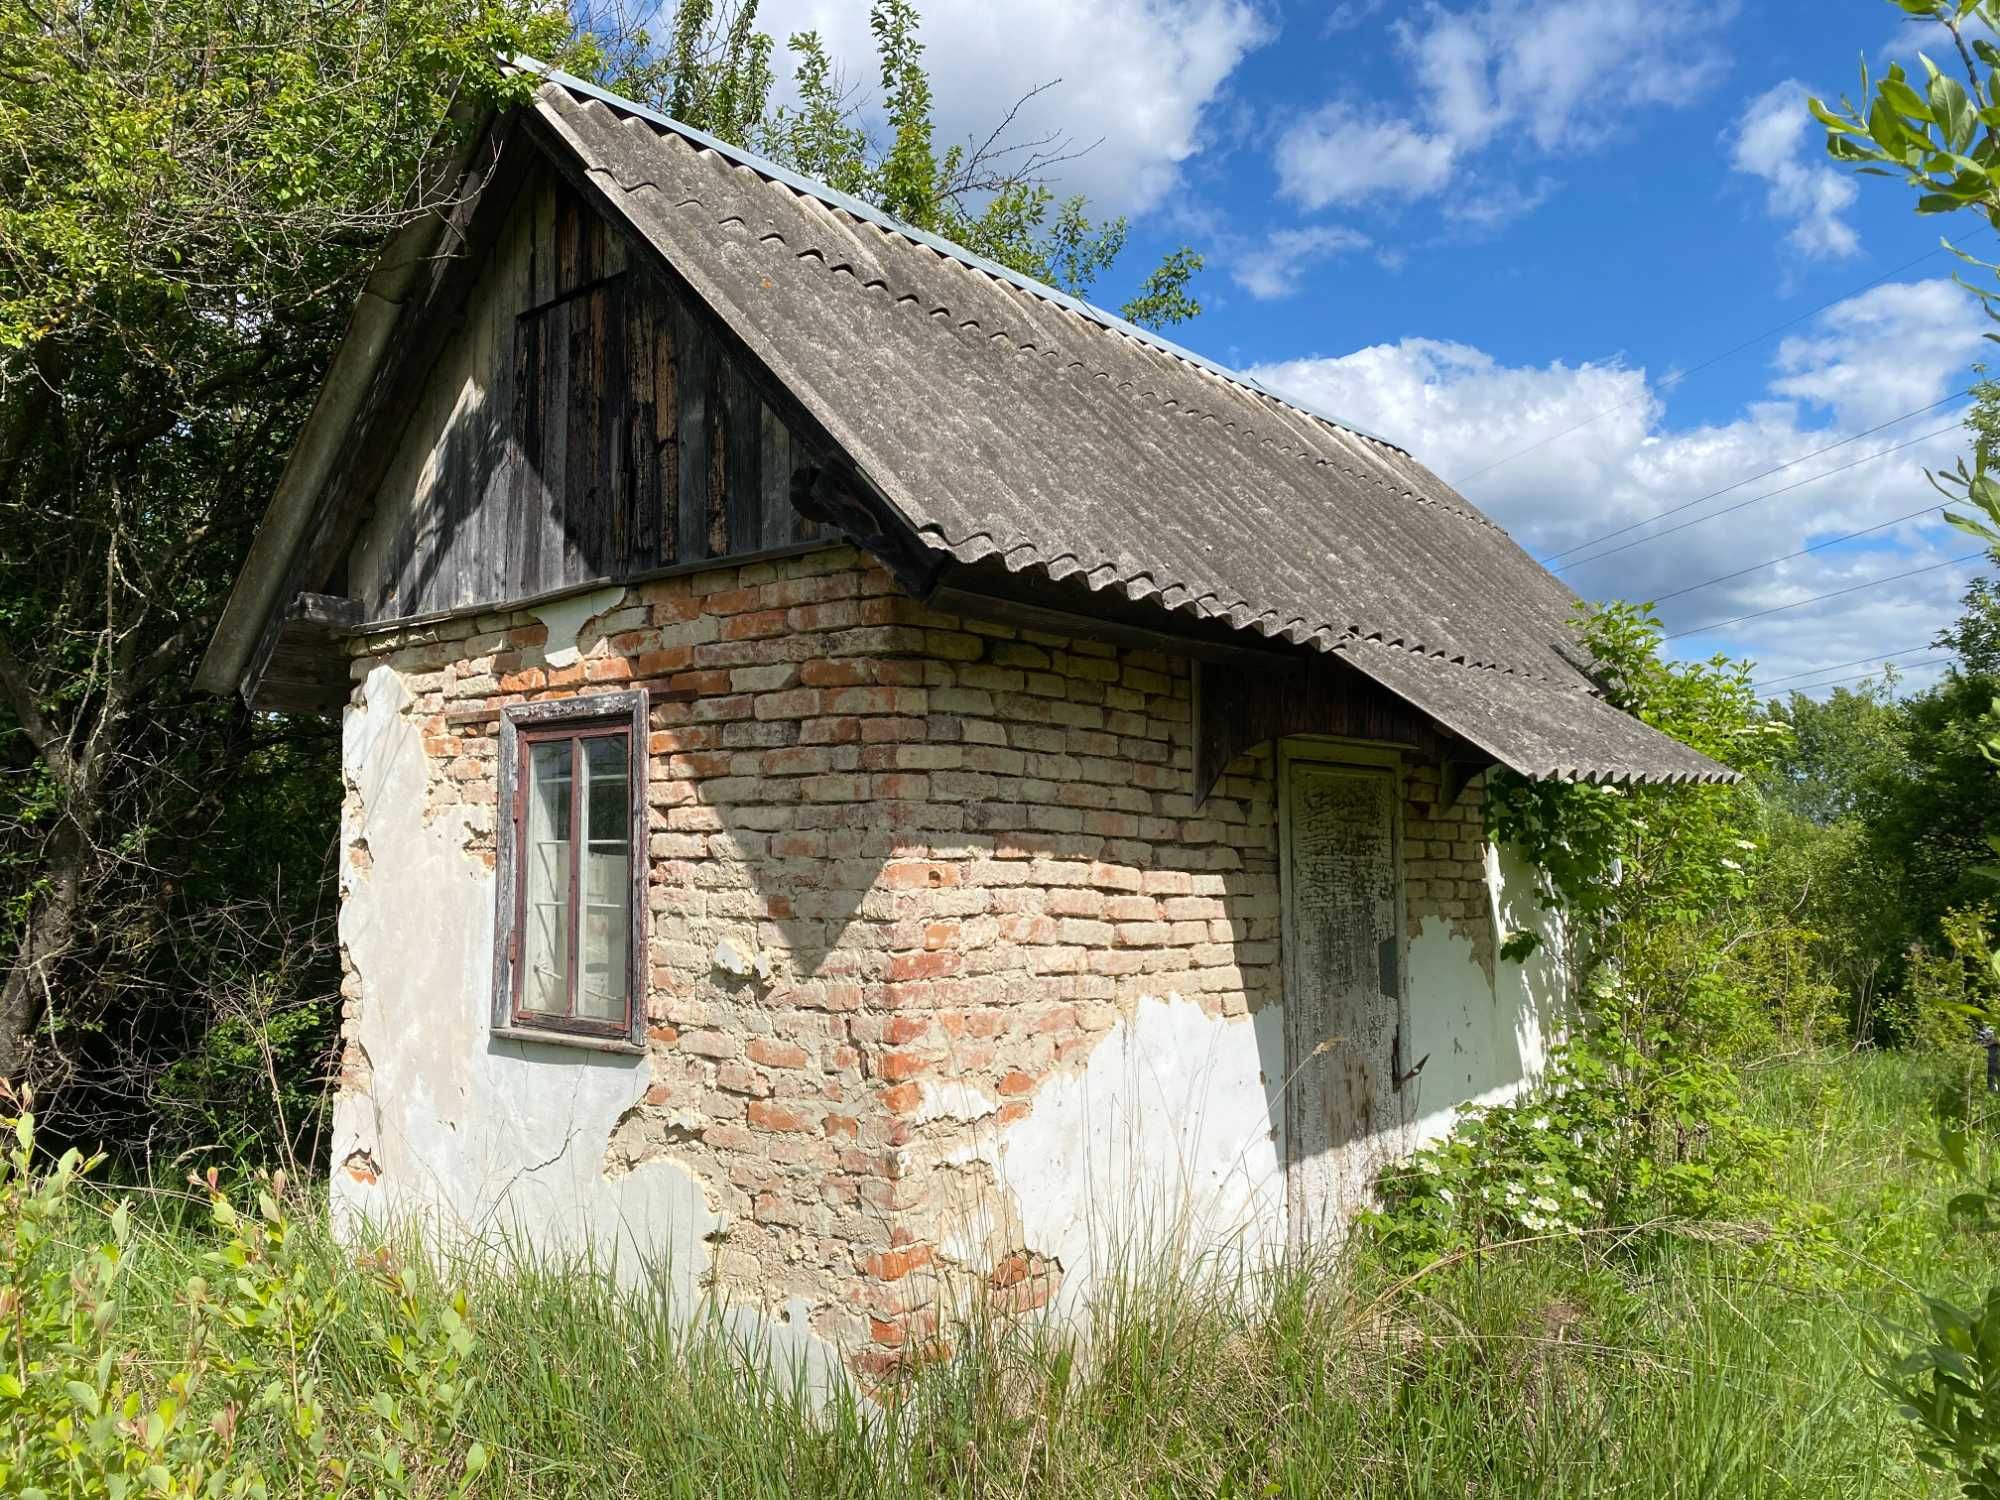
pixel 1685 1364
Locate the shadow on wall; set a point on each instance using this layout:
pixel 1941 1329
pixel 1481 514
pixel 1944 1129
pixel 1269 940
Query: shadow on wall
pixel 1078 1063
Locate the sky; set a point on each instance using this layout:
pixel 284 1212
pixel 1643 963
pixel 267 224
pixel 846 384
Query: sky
pixel 1585 259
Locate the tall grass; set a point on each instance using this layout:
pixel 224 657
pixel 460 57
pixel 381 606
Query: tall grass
pixel 1693 1362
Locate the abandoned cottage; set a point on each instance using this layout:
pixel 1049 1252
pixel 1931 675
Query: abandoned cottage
pixel 872 784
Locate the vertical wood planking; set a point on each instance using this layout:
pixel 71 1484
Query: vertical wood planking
pixel 745 499
pixel 642 454
pixel 693 371
pixel 780 521
pixel 584 423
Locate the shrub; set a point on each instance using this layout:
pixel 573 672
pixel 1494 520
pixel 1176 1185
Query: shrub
pixel 1615 1138
pixel 92 1405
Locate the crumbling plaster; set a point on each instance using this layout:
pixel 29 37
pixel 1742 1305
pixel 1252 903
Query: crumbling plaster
pixel 501 1144
pixel 954 993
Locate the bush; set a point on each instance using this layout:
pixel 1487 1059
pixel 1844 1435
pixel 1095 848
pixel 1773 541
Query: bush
pixel 91 1409
pixel 1947 994
pixel 1614 1138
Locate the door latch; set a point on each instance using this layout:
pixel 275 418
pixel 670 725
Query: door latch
pixel 1396 1074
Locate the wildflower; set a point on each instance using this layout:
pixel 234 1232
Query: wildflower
pixel 1729 864
pixel 1540 1122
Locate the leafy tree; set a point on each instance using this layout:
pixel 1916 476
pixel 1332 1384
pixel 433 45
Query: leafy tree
pixel 191 193
pixel 991 195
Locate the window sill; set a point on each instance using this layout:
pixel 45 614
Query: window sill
pixel 619 1045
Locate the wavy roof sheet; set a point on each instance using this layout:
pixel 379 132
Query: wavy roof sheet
pixel 1007 421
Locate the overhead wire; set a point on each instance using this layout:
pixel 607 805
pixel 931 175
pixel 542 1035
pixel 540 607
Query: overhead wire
pixel 1675 379
pixel 1783 489
pixel 1836 666
pixel 1802 552
pixel 1910 666
pixel 1674 510
pixel 1853 588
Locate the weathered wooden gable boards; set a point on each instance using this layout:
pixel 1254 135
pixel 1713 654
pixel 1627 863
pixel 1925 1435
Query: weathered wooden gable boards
pixel 584 424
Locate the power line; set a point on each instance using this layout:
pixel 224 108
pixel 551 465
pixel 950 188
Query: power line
pixel 1908 666
pixel 1803 551
pixel 1852 588
pixel 1674 380
pixel 1791 463
pixel 1836 666
pixel 1783 489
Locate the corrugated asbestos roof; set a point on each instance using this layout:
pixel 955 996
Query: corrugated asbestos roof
pixel 1007 421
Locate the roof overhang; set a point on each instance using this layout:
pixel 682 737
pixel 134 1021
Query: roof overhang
pixel 284 531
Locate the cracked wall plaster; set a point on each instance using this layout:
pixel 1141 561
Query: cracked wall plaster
pixel 1166 1149
pixel 501 1143
pixel 566 618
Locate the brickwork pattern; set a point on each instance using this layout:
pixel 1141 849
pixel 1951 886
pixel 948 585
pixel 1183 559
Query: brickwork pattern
pixel 961 851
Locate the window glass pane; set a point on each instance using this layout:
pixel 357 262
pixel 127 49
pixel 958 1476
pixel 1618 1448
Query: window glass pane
pixel 546 913
pixel 605 939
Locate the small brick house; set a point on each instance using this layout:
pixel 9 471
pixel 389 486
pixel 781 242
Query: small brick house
pixel 871 784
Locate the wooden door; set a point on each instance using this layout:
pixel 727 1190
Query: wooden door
pixel 1343 935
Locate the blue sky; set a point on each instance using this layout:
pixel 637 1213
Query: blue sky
pixel 1468 226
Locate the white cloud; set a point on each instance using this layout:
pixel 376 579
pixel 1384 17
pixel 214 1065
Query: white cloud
pixel 1777 143
pixel 1559 76
pixel 1336 156
pixel 1878 355
pixel 1138 76
pixel 1274 269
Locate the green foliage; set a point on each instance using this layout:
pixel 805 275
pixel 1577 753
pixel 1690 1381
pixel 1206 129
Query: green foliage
pixel 1617 854
pixel 1949 990
pixel 990 196
pixel 1607 1141
pixel 1949 1386
pixel 1579 1365
pixel 190 195
pixel 238 1410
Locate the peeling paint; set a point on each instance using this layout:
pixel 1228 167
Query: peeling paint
pixel 1486 1028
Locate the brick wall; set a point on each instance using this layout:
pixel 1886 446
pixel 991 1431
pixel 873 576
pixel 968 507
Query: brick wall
pixel 961 851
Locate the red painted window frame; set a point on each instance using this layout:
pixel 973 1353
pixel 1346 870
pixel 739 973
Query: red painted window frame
pixel 621 716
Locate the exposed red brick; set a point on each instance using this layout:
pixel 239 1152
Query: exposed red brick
pixel 776 1054
pixel 770 1114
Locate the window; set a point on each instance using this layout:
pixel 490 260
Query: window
pixel 569 961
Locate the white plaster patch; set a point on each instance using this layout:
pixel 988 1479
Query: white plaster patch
pixel 1166 1148
pixel 484 1140
pixel 1485 1037
pixel 952 1099
pixel 565 618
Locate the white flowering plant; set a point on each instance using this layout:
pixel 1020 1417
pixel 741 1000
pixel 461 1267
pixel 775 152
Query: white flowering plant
pixel 1602 1143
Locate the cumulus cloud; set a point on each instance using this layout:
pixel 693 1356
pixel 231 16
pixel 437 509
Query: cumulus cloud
pixel 1561 76
pixel 1337 156
pixel 1138 76
pixel 1462 412
pixel 1777 142
pixel 1274 269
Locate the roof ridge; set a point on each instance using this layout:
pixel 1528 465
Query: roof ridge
pixel 868 213
pixel 1274 439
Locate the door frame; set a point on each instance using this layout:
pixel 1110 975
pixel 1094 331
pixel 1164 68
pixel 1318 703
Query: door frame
pixel 1350 755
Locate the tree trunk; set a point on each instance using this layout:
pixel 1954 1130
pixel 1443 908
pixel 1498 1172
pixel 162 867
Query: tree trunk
pixel 45 936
